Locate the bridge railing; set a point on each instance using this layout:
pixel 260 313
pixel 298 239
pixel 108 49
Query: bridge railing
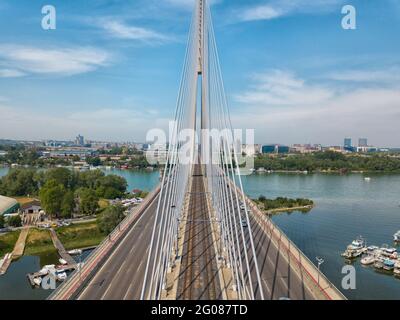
pixel 78 278
pixel 317 280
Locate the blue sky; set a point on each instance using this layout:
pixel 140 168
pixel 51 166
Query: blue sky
pixel 111 69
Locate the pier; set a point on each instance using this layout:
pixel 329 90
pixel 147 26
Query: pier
pixel 18 251
pixel 19 247
pixel 32 276
pixel 60 248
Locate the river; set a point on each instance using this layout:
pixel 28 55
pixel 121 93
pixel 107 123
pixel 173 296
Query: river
pixel 346 207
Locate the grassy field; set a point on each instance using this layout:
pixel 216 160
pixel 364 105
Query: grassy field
pixel 7 242
pixel 80 235
pixel 38 242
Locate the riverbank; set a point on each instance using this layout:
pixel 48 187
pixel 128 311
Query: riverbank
pixel 283 204
pixel 8 241
pixel 38 242
pixel 303 209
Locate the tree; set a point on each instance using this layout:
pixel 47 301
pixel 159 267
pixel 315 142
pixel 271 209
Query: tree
pixel 111 187
pixel 68 204
pixel 19 182
pixel 90 179
pixel 110 218
pixel 14 221
pixel 88 201
pixel 2 222
pixel 63 176
pixel 51 197
pixel 95 161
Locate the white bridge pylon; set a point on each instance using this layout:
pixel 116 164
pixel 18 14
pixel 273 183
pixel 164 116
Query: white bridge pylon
pixel 219 160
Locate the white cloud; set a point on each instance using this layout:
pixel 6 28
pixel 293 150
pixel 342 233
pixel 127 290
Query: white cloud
pixel 10 73
pixel 56 61
pixel 263 12
pixel 280 88
pixel 123 31
pixel 277 8
pixel 385 75
pixel 290 110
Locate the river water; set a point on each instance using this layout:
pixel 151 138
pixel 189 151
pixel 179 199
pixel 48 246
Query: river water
pixel 346 207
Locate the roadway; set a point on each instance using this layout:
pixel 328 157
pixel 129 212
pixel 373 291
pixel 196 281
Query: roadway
pixel 278 278
pixel 121 276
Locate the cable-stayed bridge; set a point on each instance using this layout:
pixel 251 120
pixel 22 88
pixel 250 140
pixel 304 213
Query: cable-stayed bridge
pixel 198 236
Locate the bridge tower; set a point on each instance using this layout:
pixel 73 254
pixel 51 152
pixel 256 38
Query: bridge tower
pixel 205 191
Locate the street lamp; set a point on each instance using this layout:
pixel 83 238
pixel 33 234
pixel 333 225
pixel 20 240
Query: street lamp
pixel 320 261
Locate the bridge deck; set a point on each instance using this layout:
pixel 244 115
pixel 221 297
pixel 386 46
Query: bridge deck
pixel 198 278
pixel 121 276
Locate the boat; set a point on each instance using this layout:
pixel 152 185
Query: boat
pixel 355 249
pixel 388 252
pixel 75 252
pixel 357 244
pixel 370 259
pixel 396 236
pixel 61 275
pixel 372 249
pixel 388 265
pixel 367 179
pixel 378 264
pixel 351 254
pixel 48 268
pixel 62 261
pixel 37 281
pixel 396 270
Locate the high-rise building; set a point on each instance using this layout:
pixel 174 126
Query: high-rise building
pixel 80 140
pixel 347 142
pixel 363 142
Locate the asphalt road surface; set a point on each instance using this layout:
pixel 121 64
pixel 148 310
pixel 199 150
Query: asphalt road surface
pixel 121 276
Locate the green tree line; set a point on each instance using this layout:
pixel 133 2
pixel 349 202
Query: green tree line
pixel 63 191
pixel 329 160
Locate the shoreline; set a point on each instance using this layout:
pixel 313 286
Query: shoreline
pixel 305 172
pixel 277 211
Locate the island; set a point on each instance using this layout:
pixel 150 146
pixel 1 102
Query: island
pixel 283 204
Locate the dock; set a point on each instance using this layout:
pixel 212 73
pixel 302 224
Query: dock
pixel 34 275
pixel 5 263
pixel 60 248
pixel 18 251
pixel 19 247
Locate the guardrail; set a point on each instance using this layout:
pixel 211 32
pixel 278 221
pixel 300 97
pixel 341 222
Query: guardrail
pixel 75 283
pixel 323 284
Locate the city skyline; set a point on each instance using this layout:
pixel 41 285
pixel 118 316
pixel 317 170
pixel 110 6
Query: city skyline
pixel 119 77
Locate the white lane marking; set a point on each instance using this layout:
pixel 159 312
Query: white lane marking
pixel 116 276
pixel 117 249
pixel 133 282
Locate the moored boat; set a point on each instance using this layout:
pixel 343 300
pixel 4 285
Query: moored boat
pixel 396 236
pixel 37 281
pixel 370 259
pixel 75 252
pixel 388 265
